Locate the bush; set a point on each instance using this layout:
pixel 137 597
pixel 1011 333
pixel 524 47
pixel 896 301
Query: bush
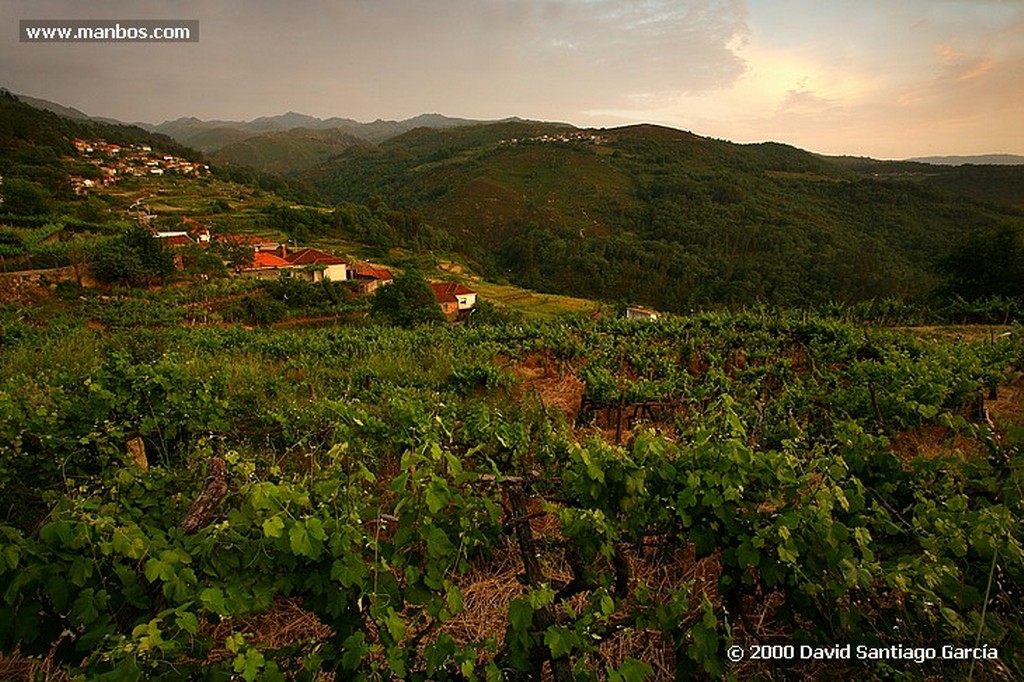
pixel 133 259
pixel 22 197
pixel 256 310
pixel 407 302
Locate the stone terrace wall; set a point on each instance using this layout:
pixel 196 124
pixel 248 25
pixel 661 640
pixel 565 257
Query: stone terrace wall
pixel 14 286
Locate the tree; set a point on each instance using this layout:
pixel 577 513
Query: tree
pixel 201 261
pixel 987 262
pixel 239 256
pixel 115 265
pixel 134 259
pixel 22 197
pixel 407 302
pixel 93 210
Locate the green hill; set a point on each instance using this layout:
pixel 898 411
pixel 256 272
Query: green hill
pixel 286 151
pixel 994 182
pixel 664 217
pixel 640 214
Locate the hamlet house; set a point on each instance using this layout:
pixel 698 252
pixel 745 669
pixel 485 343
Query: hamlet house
pixel 368 277
pixel 320 264
pixel 455 299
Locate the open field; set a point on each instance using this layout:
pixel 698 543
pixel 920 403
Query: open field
pixel 533 304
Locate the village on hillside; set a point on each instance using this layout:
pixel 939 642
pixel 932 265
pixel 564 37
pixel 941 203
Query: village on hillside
pixel 114 162
pixel 261 258
pixel 576 136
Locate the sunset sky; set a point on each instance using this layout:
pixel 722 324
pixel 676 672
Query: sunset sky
pixel 881 78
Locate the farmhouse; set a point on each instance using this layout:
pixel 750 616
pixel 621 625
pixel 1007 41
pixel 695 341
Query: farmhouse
pixel 331 267
pixel 454 298
pixel 174 237
pixel 266 265
pixel 369 277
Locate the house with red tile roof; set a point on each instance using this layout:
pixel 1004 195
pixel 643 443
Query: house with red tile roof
pixel 265 259
pixel 369 277
pixel 322 265
pixel 454 298
pixel 266 265
pixel 178 240
pixel 256 243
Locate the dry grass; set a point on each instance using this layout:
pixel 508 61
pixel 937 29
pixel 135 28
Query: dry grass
pixel 489 588
pixel 487 591
pixel 17 667
pixel 664 571
pixel 1008 407
pixel 285 623
pixel 930 441
pixel 541 379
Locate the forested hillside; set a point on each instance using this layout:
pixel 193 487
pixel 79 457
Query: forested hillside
pixel 671 219
pixel 286 151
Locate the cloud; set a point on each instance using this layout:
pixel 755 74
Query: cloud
pixel 962 66
pixel 805 101
pixel 387 57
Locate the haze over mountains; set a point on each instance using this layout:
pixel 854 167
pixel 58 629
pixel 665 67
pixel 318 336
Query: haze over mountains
pixel 212 135
pixel 208 136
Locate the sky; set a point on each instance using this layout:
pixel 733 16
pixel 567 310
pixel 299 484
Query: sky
pixel 882 78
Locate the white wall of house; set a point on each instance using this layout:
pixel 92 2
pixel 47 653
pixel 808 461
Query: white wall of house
pixel 634 313
pixel 466 301
pixel 336 273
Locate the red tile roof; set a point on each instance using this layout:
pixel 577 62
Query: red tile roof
pixel 314 257
pixel 265 259
pixel 178 240
pixel 370 272
pixel 244 239
pixel 446 292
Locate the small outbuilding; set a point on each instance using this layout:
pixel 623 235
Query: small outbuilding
pixel 638 313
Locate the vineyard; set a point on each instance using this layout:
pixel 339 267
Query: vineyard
pixel 586 500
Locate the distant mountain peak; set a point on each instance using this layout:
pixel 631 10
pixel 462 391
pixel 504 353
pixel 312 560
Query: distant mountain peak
pixel 976 160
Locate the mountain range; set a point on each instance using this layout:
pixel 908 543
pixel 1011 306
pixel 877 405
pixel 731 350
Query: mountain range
pixel 210 136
